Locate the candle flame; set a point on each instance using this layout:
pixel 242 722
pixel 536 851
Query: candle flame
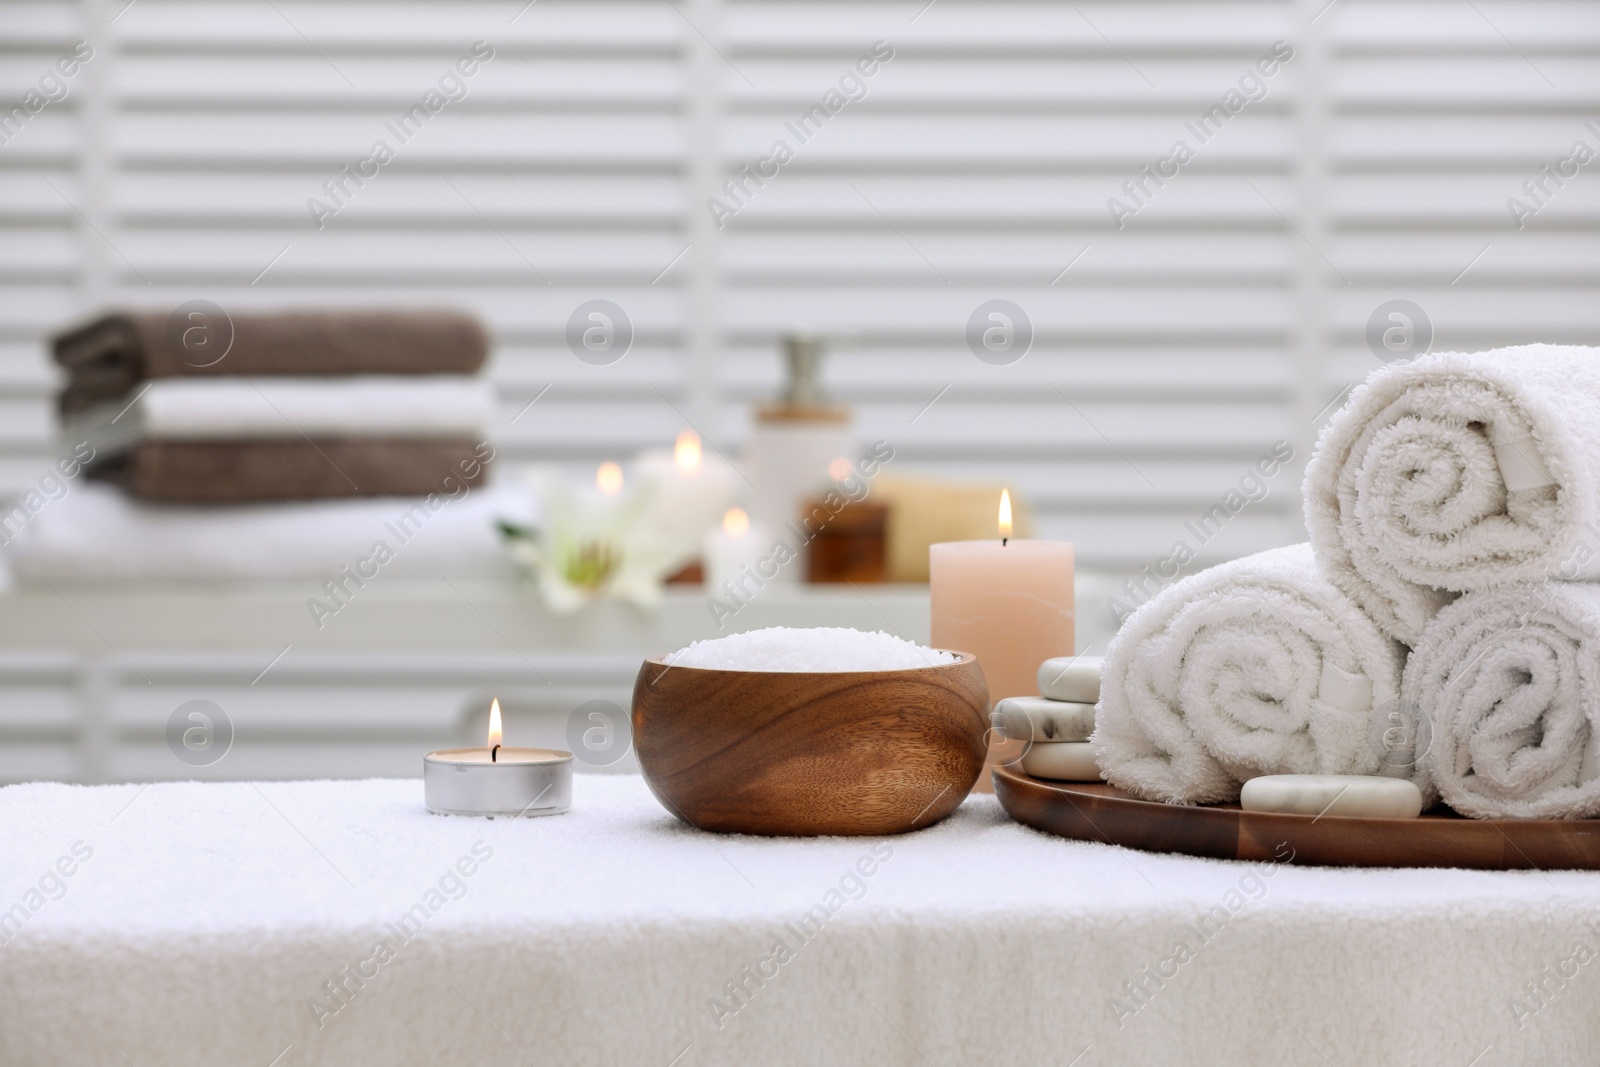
pixel 1005 514
pixel 609 479
pixel 736 523
pixel 686 453
pixel 494 722
pixel 839 469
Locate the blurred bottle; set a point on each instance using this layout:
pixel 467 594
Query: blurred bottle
pixel 795 440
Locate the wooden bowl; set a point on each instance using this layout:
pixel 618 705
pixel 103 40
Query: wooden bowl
pixel 797 754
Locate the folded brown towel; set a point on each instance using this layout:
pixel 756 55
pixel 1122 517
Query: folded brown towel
pixel 239 472
pixel 111 355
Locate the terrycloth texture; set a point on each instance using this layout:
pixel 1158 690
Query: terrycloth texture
pixel 209 916
pixel 107 357
pixel 253 409
pixel 1254 667
pixel 97 533
pixel 1509 681
pixel 242 472
pixel 1459 472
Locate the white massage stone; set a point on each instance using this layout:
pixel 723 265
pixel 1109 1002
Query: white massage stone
pixel 1061 761
pixel 1038 719
pixel 1364 796
pixel 1074 678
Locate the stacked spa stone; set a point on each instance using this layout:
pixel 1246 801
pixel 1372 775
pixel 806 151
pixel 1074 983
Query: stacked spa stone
pixel 1056 725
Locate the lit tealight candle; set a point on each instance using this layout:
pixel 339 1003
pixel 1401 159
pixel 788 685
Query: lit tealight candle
pixel 1008 601
pixel 608 479
pixel 496 780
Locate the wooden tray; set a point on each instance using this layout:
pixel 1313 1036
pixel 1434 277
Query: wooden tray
pixel 1092 812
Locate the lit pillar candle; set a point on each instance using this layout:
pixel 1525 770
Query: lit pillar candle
pixel 497 780
pixel 738 546
pixel 608 479
pixel 1009 602
pixel 691 491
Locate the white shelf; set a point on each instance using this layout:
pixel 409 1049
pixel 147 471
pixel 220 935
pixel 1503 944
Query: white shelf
pixel 467 616
pixel 91 672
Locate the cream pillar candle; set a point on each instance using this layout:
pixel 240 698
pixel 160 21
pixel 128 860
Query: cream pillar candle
pixel 692 490
pixel 1009 602
pixel 738 546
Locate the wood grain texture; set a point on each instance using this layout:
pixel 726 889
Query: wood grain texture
pixel 800 754
pixel 1089 812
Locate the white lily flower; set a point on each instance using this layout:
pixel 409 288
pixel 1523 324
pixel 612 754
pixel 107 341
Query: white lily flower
pixel 588 546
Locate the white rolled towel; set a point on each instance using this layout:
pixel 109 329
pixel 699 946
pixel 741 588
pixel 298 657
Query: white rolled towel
pixel 1509 680
pixel 1258 666
pixel 1453 473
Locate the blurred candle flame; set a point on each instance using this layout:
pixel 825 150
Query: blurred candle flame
pixel 736 523
pixel 494 722
pixel 839 469
pixel 1005 514
pixel 686 452
pixel 609 479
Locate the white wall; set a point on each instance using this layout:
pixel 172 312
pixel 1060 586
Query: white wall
pixel 1225 315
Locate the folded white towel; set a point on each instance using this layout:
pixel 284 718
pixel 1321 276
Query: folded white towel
pixel 96 532
pixel 1459 472
pixel 1258 666
pixel 233 409
pixel 1510 681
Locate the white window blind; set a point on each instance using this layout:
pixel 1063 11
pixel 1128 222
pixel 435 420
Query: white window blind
pixel 1225 314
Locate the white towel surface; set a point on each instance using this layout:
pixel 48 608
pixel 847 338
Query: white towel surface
pixel 1257 666
pixel 97 532
pixel 1459 472
pixel 208 916
pixel 1509 680
pixel 237 409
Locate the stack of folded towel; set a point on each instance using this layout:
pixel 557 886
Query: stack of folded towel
pixel 271 407
pixel 1438 627
pixel 1054 727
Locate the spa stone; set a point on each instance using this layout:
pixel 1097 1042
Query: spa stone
pixel 1061 761
pixel 1074 678
pixel 1364 796
pixel 1038 719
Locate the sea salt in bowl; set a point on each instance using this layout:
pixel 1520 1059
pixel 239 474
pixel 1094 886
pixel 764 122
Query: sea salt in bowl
pixel 804 732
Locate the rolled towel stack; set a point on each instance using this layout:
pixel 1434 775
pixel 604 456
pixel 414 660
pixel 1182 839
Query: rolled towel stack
pixel 1457 498
pixel 1055 726
pixel 1255 667
pixel 272 407
pixel 1438 627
